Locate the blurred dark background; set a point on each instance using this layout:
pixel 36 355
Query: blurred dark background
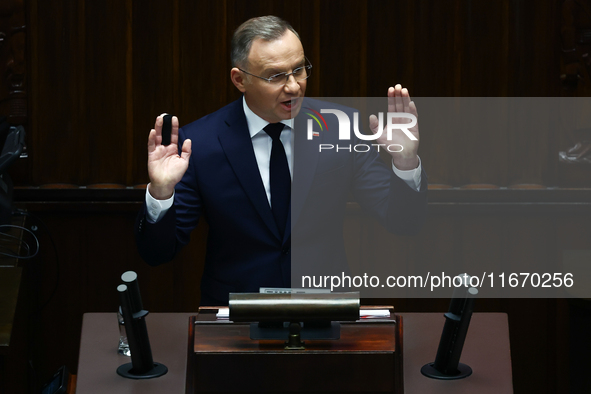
pixel 87 79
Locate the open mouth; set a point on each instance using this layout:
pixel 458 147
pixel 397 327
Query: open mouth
pixel 289 104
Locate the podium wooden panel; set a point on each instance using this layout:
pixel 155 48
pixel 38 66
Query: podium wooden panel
pixel 366 358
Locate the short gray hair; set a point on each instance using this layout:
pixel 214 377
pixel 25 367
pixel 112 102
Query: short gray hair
pixel 268 28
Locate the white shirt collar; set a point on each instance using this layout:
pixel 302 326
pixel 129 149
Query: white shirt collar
pixel 256 123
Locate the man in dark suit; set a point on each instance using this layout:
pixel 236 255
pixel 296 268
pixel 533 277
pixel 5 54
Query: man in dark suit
pixel 237 176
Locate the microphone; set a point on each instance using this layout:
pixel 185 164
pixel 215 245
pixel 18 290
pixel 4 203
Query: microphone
pixel 447 364
pixel 142 365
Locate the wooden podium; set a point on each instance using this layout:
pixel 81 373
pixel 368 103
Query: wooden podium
pixel 366 358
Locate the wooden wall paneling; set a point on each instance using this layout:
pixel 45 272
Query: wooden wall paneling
pixel 234 17
pixel 561 342
pixel 110 253
pixel 517 63
pixel 14 366
pixel 482 241
pixel 435 249
pixel 159 286
pixel 531 151
pixel 458 48
pixel 23 171
pixel 153 74
pixel 439 246
pixel 188 270
pixel 204 68
pixel 104 97
pixel 108 249
pixel 436 56
pixel 290 11
pixel 136 132
pixel 574 233
pixel 570 175
pixel 530 246
pixel 16 73
pixel 94 249
pixel 391 27
pixel 13 30
pixel 60 322
pixel 481 150
pixel 573 130
pixel 441 145
pixel 342 30
pixel 362 54
pixel 309 31
pixel 131 163
pixel 57 133
pixel 531 345
pixel 482 47
pixel 551 175
pixel 433 53
pixel 535 49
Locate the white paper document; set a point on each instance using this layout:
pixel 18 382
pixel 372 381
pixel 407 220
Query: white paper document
pixel 224 313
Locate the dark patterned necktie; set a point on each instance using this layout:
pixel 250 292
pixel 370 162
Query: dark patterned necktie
pixel 279 177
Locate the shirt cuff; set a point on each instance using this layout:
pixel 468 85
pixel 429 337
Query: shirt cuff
pixel 157 208
pixel 411 177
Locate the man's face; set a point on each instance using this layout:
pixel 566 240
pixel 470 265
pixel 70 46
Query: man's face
pixel 266 58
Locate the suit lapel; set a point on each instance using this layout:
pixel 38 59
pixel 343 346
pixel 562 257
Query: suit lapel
pixel 237 145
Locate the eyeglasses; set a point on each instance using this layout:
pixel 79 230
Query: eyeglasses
pixel 300 74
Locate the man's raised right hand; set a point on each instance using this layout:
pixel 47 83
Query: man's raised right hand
pixel 165 166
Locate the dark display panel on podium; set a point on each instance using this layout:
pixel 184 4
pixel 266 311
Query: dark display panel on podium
pixel 366 358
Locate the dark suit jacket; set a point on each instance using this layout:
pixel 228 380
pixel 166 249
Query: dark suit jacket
pixel 244 249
